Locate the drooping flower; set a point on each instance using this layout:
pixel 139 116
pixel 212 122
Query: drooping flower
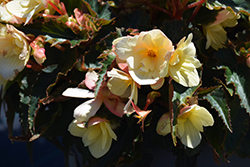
pixel 183 63
pixel 215 33
pixel 190 123
pixel 145 55
pixel 14 52
pixel 22 9
pixel 97 135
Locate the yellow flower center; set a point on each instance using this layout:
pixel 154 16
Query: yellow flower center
pixel 151 53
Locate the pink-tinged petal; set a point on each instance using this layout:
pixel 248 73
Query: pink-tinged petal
pixel 115 106
pixel 123 67
pixel 39 55
pixel 78 93
pixel 79 15
pixel 87 109
pixel 91 79
pixel 95 120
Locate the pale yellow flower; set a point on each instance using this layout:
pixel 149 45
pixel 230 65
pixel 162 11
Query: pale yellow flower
pixel 215 33
pixel 183 63
pixel 14 52
pixel 97 136
pixel 120 82
pixel 145 54
pixel 190 123
pixel 23 9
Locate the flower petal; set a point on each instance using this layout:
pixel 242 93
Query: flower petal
pixel 78 93
pixel 76 130
pixel 87 109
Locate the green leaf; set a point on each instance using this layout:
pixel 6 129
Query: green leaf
pixel 50 69
pixel 98 10
pixel 237 74
pixel 73 42
pixel 181 95
pixel 218 101
pixel 240 82
pixel 236 5
pixel 105 66
pixel 240 124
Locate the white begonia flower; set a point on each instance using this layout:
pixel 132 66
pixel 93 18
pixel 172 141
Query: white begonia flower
pixel 14 52
pixel 183 63
pixel 145 55
pixel 23 9
pixel 97 136
pixel 190 123
pixel 215 33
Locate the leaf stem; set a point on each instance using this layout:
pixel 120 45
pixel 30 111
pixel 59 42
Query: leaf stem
pixel 58 10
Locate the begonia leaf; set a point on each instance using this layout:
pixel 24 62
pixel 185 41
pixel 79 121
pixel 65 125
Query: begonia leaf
pixel 105 66
pixel 240 124
pixel 218 101
pixel 236 5
pixel 97 9
pixel 236 74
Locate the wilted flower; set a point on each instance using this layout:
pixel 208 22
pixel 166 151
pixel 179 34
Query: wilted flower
pixel 14 52
pixel 183 64
pixel 190 123
pixel 145 54
pixel 97 135
pixel 215 33
pixel 22 9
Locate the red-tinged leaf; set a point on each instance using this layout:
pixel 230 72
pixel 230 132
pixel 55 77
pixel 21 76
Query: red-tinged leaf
pixel 204 91
pixel 218 101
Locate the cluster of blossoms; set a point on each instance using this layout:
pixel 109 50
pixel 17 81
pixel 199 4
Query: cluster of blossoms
pixel 148 58
pixel 144 59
